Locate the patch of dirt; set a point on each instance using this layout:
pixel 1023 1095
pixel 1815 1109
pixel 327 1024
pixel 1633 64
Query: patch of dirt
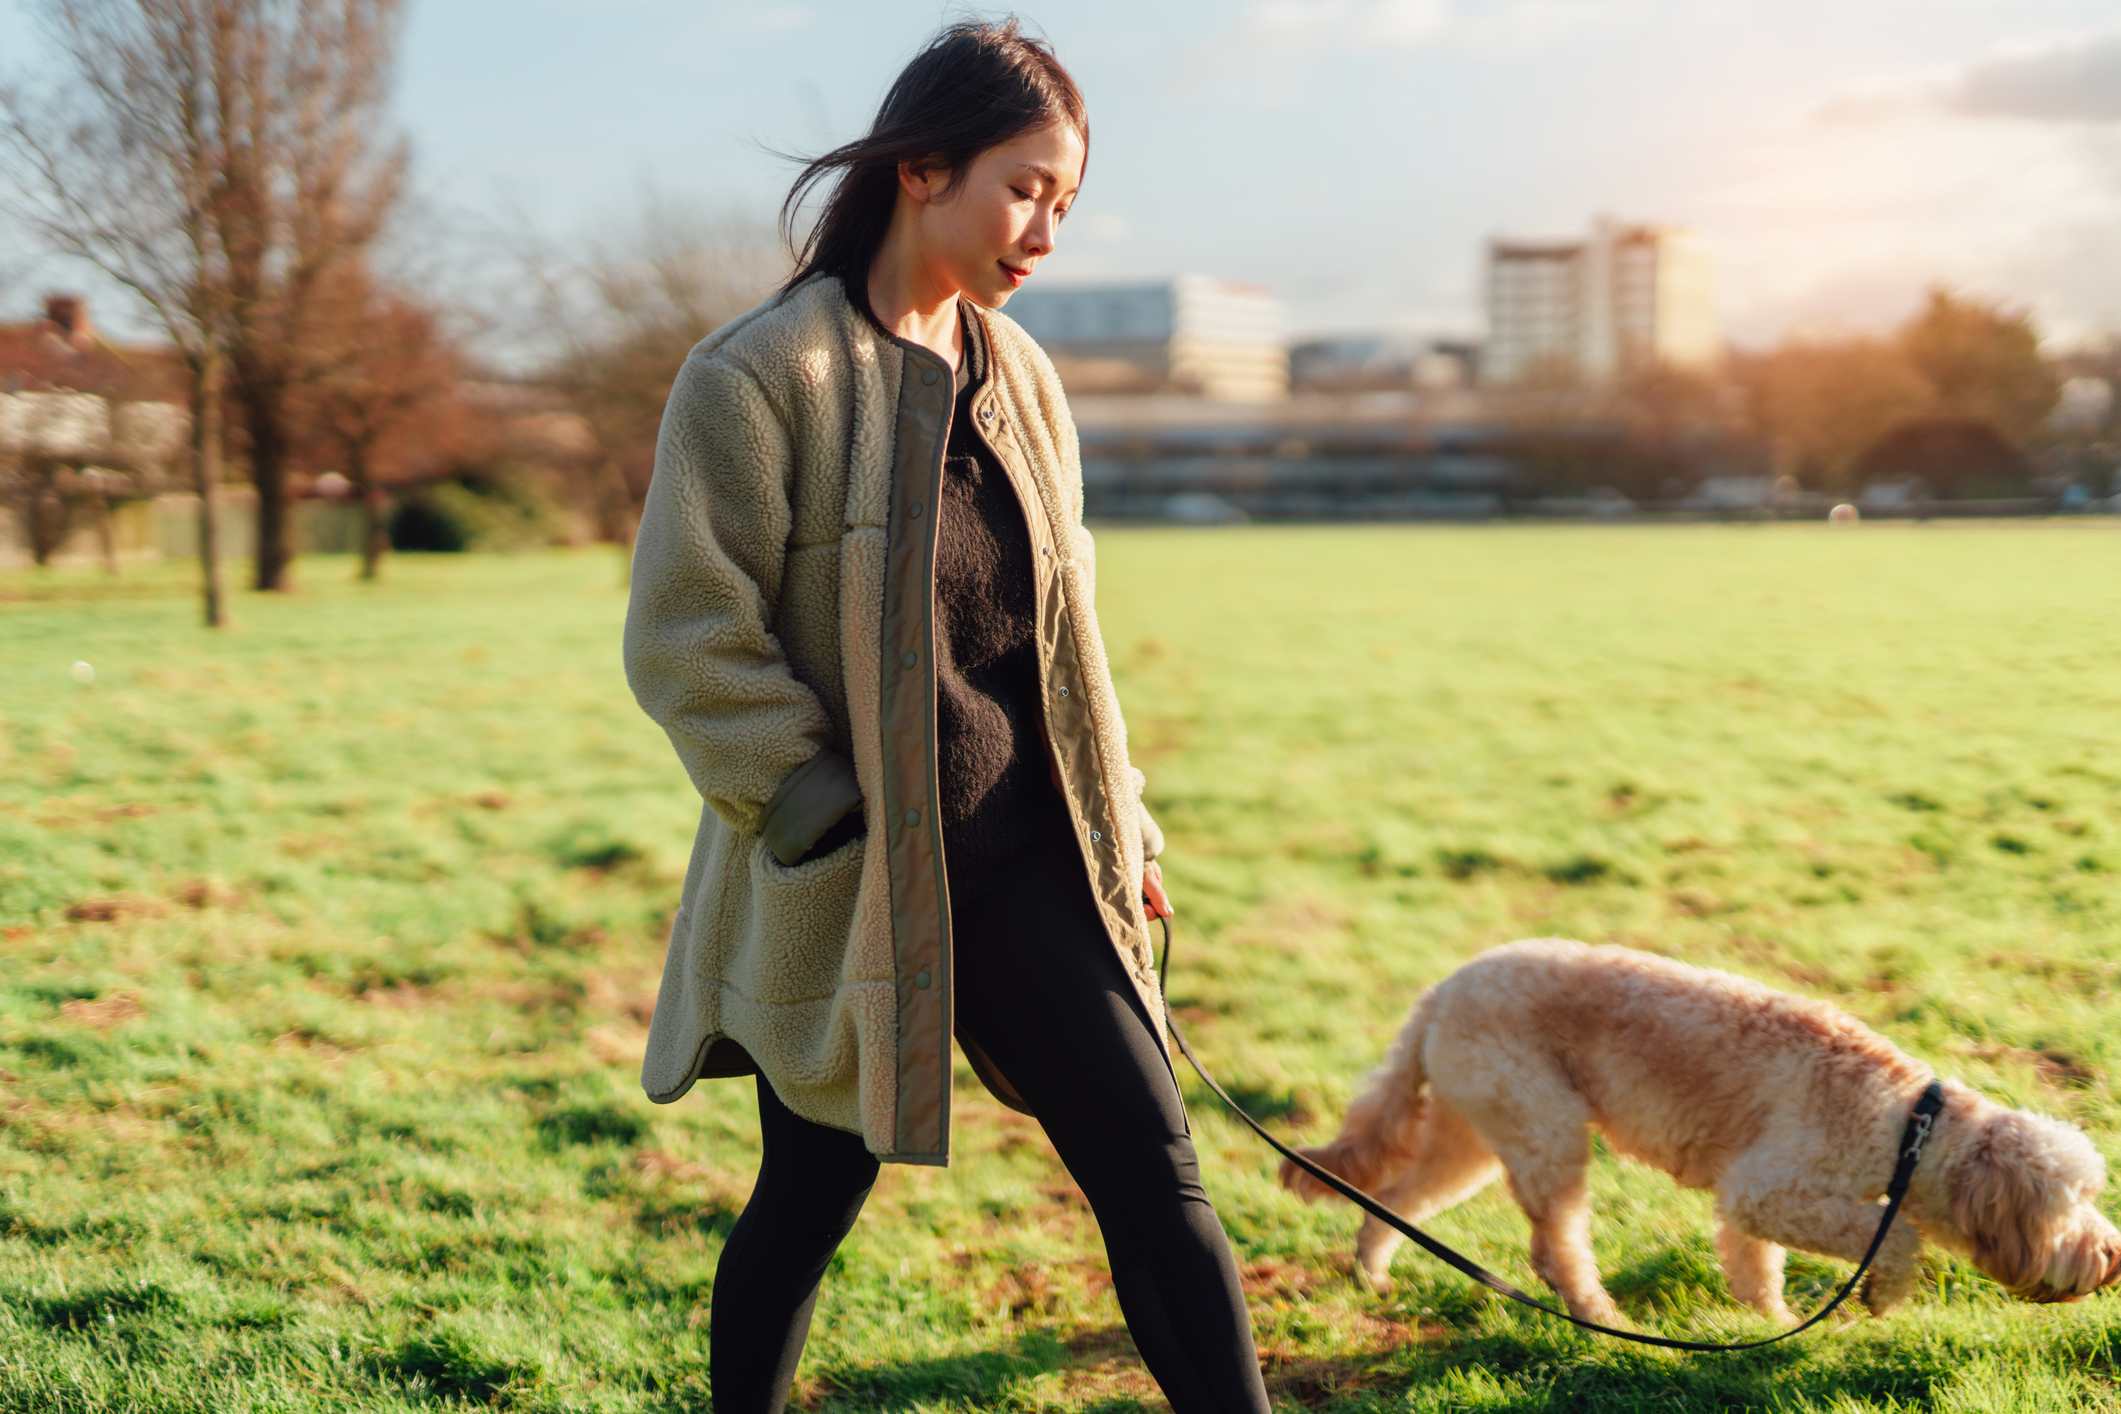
pixel 537 996
pixel 114 908
pixel 206 893
pixel 1282 1280
pixel 2067 972
pixel 1694 903
pixel 70 815
pixel 629 995
pixel 302 1038
pixel 491 800
pixel 1311 1381
pixel 654 1163
pixel 1023 1290
pixel 614 1046
pixel 113 1009
pixel 400 995
pixel 1064 1195
pixel 1762 953
pixel 2057 1068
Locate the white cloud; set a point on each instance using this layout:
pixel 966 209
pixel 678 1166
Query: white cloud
pixel 2000 175
pixel 1407 24
pixel 2076 80
pixel 2069 79
pixel 774 19
pixel 1819 228
pixel 1334 24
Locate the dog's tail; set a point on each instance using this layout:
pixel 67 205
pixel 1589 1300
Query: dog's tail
pixel 1381 1131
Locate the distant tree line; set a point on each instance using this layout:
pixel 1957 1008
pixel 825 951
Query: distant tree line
pixel 1958 397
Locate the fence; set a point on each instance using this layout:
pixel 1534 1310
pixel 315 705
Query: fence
pixel 167 527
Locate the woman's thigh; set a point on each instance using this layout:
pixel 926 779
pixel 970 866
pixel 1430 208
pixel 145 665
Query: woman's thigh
pixel 1041 990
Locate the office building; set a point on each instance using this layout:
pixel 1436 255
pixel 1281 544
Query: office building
pixel 1190 333
pixel 1625 298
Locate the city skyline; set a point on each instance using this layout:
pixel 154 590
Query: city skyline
pixel 1356 156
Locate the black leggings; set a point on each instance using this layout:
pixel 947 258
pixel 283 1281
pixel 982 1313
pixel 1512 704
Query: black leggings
pixel 1040 989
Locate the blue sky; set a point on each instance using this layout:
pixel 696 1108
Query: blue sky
pixel 1353 155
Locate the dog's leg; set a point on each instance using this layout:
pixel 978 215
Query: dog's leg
pixel 1548 1176
pixel 1754 1269
pixel 1826 1221
pixel 1451 1165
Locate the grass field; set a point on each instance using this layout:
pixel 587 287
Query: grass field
pixel 327 947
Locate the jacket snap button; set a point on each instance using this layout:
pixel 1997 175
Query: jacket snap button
pixel 920 978
pixel 1095 837
pixel 914 510
pixel 913 817
pixel 928 375
pixel 1064 692
pixel 986 414
pixel 909 658
pixel 1047 550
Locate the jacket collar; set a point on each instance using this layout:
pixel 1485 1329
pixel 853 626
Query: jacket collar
pixel 977 349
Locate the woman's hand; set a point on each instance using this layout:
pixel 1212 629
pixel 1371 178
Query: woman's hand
pixel 1155 902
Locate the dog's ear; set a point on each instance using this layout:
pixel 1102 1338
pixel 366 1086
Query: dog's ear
pixel 2013 1189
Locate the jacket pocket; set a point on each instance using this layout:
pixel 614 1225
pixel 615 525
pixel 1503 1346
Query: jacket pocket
pixel 801 914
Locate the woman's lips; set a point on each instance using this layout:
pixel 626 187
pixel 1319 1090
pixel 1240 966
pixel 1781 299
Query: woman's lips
pixel 1015 278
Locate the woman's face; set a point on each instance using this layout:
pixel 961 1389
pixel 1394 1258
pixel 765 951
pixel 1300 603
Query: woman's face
pixel 1003 216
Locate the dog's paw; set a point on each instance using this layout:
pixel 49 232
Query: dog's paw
pixel 1882 1295
pixel 1378 1279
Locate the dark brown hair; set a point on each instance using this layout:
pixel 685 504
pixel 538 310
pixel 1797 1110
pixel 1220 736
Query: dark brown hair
pixel 976 85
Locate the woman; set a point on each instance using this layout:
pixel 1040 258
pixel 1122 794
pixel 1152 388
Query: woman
pixel 862 610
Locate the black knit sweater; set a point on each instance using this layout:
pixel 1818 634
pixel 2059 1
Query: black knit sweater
pixel 990 741
pixel 990 745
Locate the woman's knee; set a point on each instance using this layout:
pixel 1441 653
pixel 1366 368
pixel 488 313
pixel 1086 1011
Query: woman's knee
pixel 1154 1175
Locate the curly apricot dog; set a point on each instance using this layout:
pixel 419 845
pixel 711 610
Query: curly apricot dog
pixel 1789 1110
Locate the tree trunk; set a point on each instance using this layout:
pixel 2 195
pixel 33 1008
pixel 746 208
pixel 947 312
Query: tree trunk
pixel 206 475
pixel 48 517
pixel 268 471
pixel 106 542
pixel 375 534
pixel 617 515
pixel 613 499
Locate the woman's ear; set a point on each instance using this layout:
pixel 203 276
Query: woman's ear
pixel 922 178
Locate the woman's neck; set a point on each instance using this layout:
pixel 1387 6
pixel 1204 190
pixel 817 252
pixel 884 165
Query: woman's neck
pixel 910 303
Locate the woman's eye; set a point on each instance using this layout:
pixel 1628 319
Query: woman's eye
pixel 1021 192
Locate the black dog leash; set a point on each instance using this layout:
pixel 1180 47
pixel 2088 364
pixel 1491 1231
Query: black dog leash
pixel 1919 1123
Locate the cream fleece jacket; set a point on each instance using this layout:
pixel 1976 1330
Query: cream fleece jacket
pixel 780 629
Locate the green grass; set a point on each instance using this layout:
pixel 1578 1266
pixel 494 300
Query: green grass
pixel 327 944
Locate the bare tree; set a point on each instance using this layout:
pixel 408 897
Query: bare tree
pixel 120 163
pixel 309 186
pixel 383 398
pixel 612 325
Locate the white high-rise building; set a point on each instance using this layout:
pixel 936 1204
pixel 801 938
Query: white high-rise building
pixel 1190 332
pixel 1627 297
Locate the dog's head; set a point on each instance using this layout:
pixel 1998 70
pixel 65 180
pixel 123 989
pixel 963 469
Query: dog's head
pixel 2023 1193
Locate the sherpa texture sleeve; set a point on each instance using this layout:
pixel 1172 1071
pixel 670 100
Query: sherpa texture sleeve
pixel 1084 550
pixel 700 656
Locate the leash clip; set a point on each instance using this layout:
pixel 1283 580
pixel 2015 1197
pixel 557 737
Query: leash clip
pixel 1923 1121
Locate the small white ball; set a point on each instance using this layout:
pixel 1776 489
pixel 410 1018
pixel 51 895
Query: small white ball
pixel 1843 514
pixel 84 672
